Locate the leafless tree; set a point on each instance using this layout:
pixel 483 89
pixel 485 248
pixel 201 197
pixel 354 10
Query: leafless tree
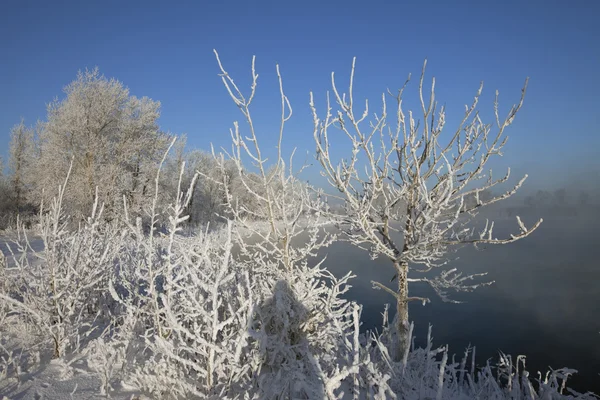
pixel 21 144
pixel 402 177
pixel 5 199
pixel 274 194
pixel 306 326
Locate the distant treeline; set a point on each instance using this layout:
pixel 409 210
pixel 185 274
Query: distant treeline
pixel 559 203
pixel 112 142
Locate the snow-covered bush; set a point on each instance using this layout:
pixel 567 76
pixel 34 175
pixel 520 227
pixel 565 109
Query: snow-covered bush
pixel 193 324
pixel 61 291
pixel 217 318
pixel 305 327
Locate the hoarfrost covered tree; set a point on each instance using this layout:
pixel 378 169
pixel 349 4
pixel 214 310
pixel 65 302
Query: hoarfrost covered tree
pixel 208 201
pixel 403 176
pixel 20 157
pixel 5 199
pixel 113 139
pixel 280 199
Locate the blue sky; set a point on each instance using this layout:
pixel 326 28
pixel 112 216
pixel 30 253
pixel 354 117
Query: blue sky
pixel 164 51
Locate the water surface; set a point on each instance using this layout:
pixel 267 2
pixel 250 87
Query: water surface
pixel 545 302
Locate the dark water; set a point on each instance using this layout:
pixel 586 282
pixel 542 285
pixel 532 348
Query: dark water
pixel 545 302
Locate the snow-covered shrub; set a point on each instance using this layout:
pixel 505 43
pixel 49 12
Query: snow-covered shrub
pixel 215 324
pixel 195 336
pixel 105 360
pixel 10 362
pixel 308 333
pixel 60 291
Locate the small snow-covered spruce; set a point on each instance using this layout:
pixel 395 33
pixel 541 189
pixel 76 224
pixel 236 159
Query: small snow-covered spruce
pixel 400 177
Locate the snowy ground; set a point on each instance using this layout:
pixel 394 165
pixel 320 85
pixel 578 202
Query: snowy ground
pixel 50 379
pixel 50 382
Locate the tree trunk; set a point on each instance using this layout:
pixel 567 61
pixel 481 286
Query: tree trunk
pixel 89 161
pixel 402 324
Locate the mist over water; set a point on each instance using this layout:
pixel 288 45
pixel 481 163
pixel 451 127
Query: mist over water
pixel 544 303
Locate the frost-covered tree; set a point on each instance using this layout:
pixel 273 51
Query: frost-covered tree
pixel 279 198
pixel 397 159
pixel 5 198
pixel 208 201
pixel 113 139
pixel 20 157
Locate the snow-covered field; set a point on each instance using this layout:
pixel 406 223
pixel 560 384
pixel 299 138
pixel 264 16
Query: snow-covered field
pixel 291 335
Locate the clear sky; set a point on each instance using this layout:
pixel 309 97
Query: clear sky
pixel 163 50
